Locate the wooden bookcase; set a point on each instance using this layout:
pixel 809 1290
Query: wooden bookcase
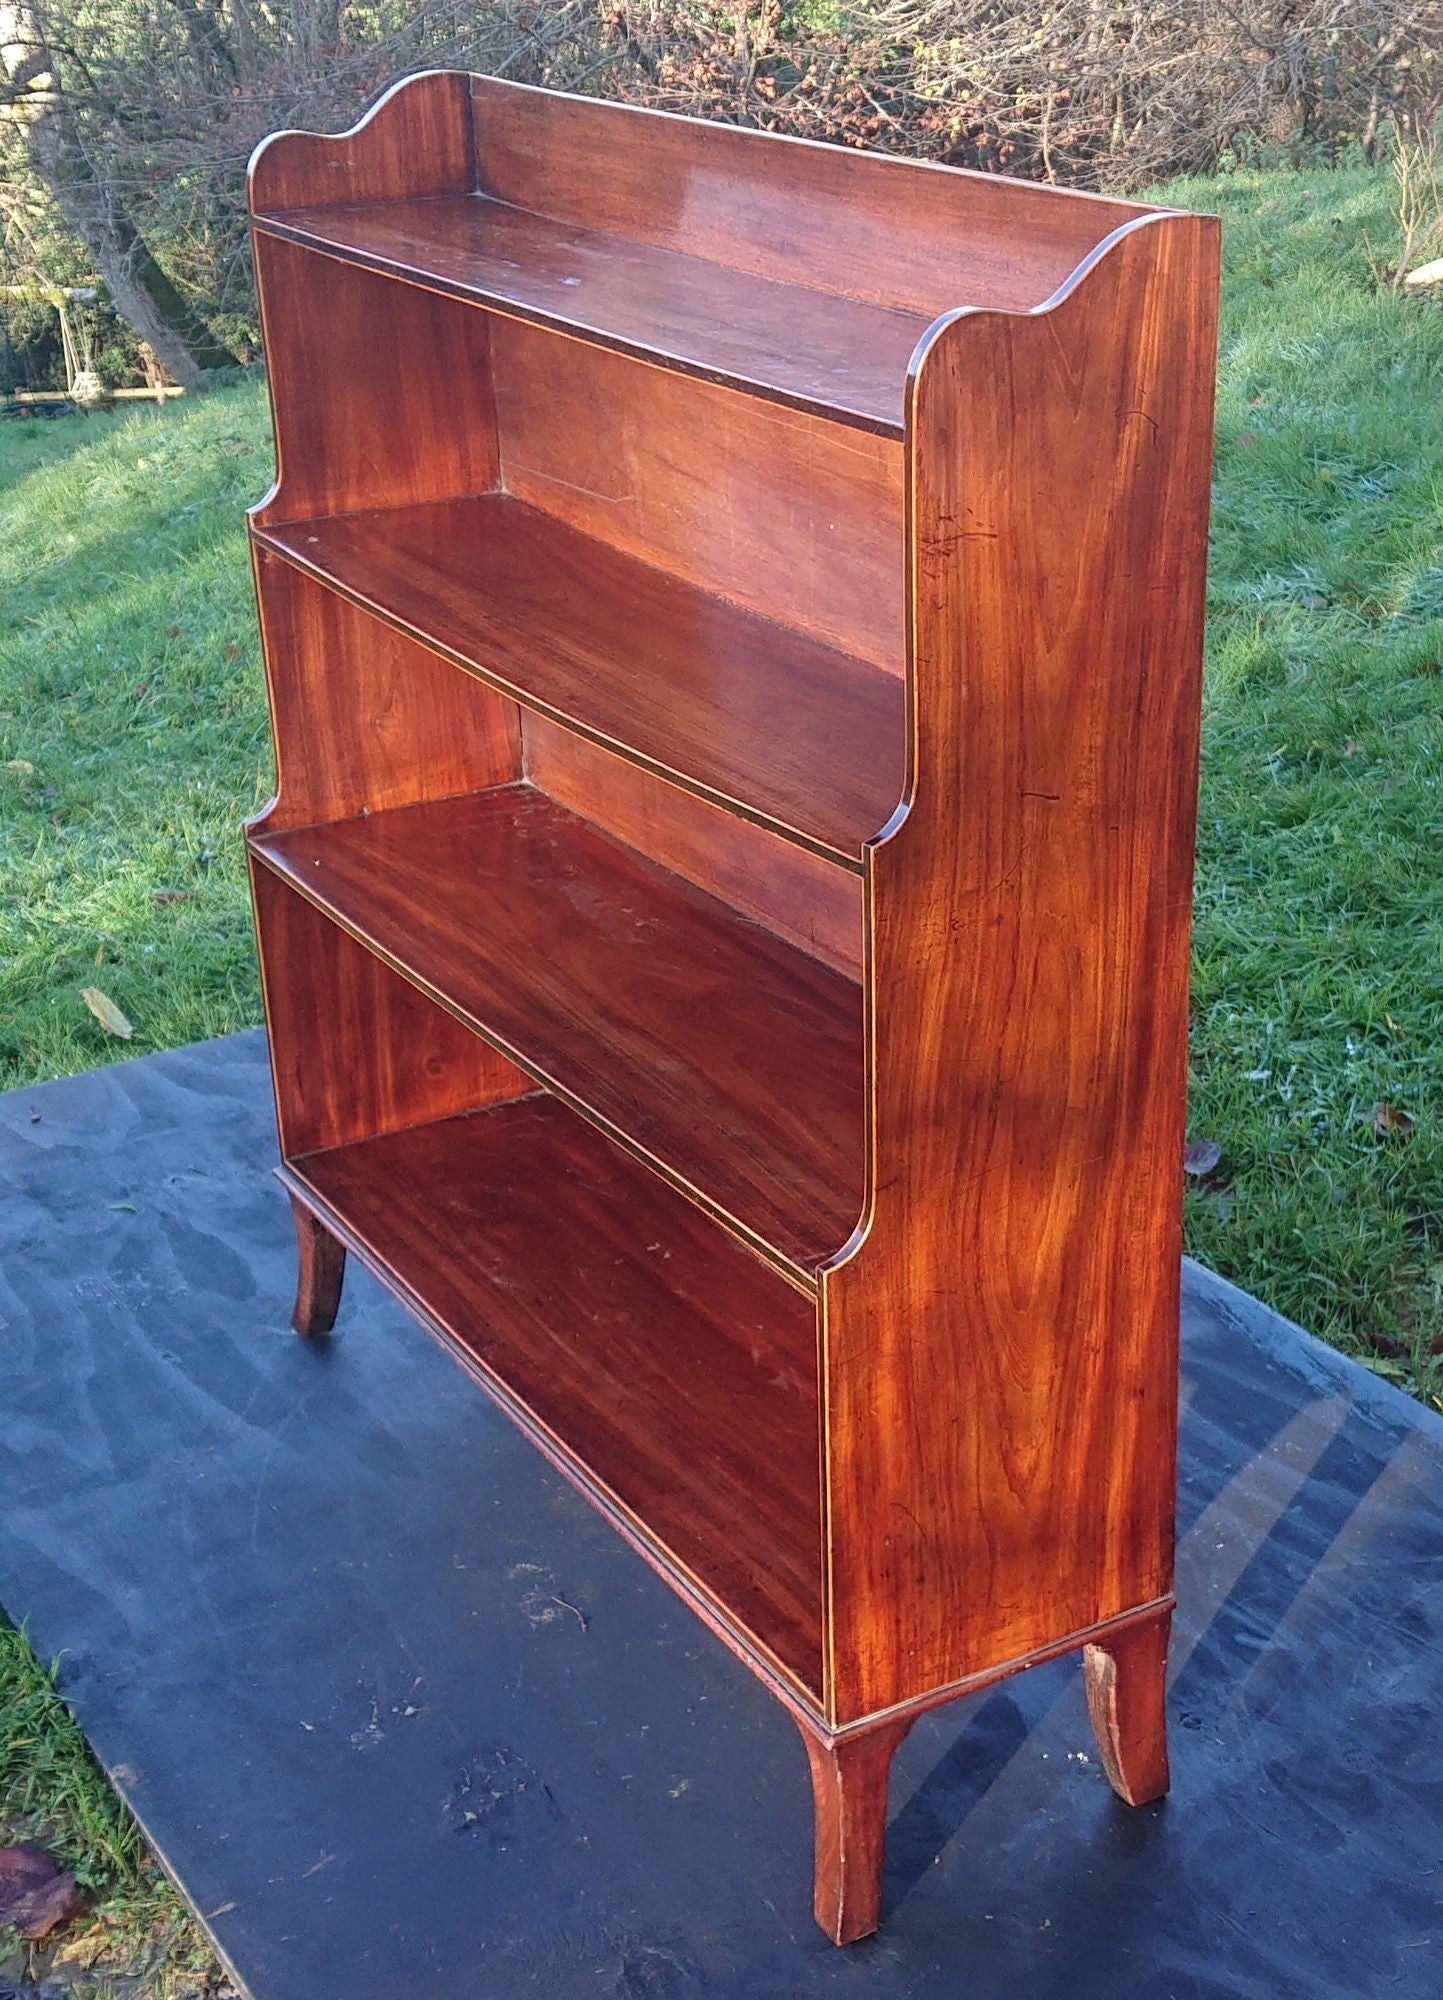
pixel 732 610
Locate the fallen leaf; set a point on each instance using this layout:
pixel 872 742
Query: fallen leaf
pixel 1200 1157
pixel 106 1012
pixel 36 1894
pixel 1391 1123
pixel 172 631
pixel 172 895
pixel 21 769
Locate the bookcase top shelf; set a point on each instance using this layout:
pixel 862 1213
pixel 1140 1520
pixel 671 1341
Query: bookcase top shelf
pixel 802 273
pixel 793 733
pixel 834 357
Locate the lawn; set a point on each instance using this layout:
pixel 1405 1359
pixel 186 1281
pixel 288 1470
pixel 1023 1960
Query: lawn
pixel 133 741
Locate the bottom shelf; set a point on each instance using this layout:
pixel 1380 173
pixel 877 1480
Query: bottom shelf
pixel 673 1375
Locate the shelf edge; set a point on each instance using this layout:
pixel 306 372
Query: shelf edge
pixel 652 357
pixel 267 539
pixel 797 1275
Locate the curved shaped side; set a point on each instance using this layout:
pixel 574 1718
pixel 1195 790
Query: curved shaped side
pixel 999 1338
pixel 415 140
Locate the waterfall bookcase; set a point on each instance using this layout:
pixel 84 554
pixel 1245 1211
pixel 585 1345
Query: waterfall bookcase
pixel 732 610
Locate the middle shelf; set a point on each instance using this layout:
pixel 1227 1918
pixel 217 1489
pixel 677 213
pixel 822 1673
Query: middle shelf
pixel 728 1059
pixel 791 732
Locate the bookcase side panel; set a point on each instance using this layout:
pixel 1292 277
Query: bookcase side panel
pixel 380 392
pixel 356 1050
pixel 363 717
pixel 1001 1343
pixel 414 141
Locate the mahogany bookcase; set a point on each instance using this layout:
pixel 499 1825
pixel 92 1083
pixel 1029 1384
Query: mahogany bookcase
pixel 732 610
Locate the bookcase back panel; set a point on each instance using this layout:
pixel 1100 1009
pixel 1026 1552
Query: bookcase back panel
pixel 364 717
pixel 896 233
pixel 381 393
pixel 781 512
pixel 798 895
pixel 356 1049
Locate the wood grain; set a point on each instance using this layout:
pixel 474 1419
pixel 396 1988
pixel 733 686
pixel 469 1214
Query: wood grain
pixel 896 233
pixel 733 617
pixel 355 1050
pixel 1011 1306
pixel 415 140
pixel 363 717
pixel 1126 1680
pixel 728 1058
pixel 320 1273
pixel 799 896
pixel 742 710
pixel 674 1372
pixel 357 423
pixel 809 350
pixel 798 520
pixel 849 1798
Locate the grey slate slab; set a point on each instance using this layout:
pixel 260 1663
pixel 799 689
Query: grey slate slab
pixel 405 1719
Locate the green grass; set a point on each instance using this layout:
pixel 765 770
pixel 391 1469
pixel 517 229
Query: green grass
pixel 52 1792
pixel 130 681
pixel 1318 963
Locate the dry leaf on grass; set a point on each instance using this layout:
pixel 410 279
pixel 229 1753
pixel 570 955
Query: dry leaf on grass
pixel 1200 1157
pixel 1391 1123
pixel 106 1012
pixel 35 1893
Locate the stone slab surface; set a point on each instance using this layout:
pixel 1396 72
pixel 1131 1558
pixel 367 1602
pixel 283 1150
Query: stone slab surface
pixel 405 1719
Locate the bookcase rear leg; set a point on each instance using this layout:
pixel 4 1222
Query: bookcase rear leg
pixel 1126 1681
pixel 849 1792
pixel 320 1272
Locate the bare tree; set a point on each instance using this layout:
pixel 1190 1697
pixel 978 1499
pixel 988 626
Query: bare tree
pixel 142 292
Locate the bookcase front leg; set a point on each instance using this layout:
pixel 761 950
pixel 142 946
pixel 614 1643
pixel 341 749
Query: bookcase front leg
pixel 1126 1698
pixel 320 1272
pixel 849 1793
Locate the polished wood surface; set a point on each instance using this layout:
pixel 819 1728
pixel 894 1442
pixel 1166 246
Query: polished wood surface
pixel 357 424
pixel 355 1050
pixel 796 894
pixel 741 710
pixel 674 1371
pixel 730 1059
pixel 798 520
pixel 810 350
pixel 732 612
pixel 363 717
pixel 320 1273
pixel 1011 1305
pixel 849 1800
pixel 415 140
pixel 894 232
pixel 1126 1681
